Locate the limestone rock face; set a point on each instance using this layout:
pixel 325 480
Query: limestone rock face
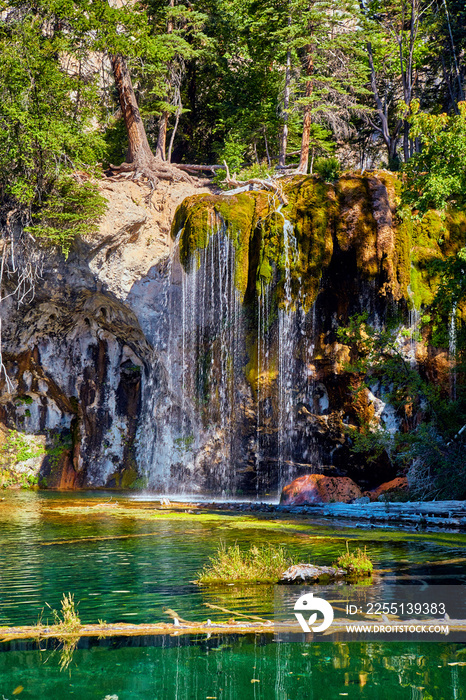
pixel 74 371
pixel 191 344
pixel 317 488
pixel 76 356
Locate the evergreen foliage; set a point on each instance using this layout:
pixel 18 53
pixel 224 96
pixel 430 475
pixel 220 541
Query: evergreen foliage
pixel 46 106
pixel 70 209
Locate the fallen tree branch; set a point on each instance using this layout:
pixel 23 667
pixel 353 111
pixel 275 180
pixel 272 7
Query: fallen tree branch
pixel 199 168
pixel 263 184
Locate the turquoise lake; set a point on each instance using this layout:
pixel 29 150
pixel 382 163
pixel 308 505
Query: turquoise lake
pixel 126 560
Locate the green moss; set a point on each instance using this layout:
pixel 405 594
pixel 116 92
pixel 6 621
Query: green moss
pixel 265 271
pixel 312 209
pixel 403 243
pixel 255 216
pixel 408 264
pixel 433 238
pixel 21 400
pixel 266 378
pixel 127 478
pixel 241 213
pixel 59 444
pixel 193 219
pixel 198 216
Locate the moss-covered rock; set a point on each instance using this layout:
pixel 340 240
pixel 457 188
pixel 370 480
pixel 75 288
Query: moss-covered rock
pixel 430 240
pixel 200 216
pixel 357 214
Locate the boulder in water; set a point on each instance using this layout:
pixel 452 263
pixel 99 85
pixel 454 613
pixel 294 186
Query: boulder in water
pixel 317 488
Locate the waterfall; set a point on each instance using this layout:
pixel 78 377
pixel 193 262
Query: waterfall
pixel 220 401
pixel 263 375
pixel 156 440
pixel 286 358
pixel 414 319
pixel 452 338
pixel 203 358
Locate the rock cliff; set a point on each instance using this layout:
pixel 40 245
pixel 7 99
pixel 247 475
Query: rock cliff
pixel 209 359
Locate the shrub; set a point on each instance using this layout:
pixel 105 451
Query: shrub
pixel 328 168
pixel 355 563
pixel 232 152
pixel 437 174
pixel 70 210
pixel 258 564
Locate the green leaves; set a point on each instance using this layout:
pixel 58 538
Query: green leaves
pixel 46 108
pixel 428 440
pixel 436 176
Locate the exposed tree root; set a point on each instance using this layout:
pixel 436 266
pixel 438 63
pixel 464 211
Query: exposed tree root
pixel 153 170
pixel 150 173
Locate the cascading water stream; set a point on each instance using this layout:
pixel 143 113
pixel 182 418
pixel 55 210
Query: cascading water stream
pixel 211 332
pixel 286 356
pixel 452 348
pixel 263 374
pixel 156 440
pixel 205 424
pixel 414 319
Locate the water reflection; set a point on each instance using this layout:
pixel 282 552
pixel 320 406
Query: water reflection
pixel 232 668
pixel 127 562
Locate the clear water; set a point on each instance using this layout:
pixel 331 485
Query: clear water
pixel 127 562
pixel 130 561
pixel 255 668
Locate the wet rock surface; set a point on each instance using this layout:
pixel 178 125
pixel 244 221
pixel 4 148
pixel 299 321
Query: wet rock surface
pixel 74 370
pixel 209 361
pixel 397 486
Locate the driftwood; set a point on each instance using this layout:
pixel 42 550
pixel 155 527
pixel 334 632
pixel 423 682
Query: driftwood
pixel 199 168
pixel 309 573
pixel 234 614
pixel 176 628
pixel 450 514
pixel 41 632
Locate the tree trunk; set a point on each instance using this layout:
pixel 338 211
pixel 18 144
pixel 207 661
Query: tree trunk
pixel 162 136
pixel 172 137
pixel 163 123
pixel 139 151
pixel 141 160
pixel 390 140
pixel 286 104
pixel 304 158
pixel 269 162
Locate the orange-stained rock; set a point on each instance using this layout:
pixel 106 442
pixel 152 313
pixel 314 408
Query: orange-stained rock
pixel 317 488
pixel 67 474
pixel 398 484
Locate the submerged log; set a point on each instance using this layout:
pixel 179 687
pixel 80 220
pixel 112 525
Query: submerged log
pixel 176 628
